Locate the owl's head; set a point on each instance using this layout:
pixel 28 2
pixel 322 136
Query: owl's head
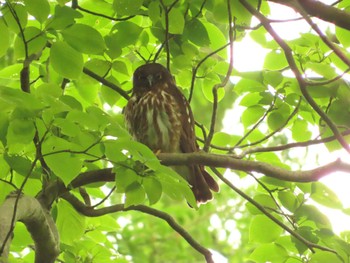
pixel 149 76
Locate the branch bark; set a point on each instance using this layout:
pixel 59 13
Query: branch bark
pixel 38 222
pixel 322 11
pixel 90 211
pixel 226 161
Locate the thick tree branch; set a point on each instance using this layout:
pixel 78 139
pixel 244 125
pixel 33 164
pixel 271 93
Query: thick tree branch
pixel 38 222
pixel 226 161
pixel 89 211
pixel 322 11
pixel 55 189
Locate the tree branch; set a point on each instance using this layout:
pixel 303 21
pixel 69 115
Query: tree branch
pixel 223 83
pixel 302 84
pixel 226 161
pixel 106 83
pixel 38 222
pixel 89 211
pixel 324 38
pixel 322 11
pixel 309 244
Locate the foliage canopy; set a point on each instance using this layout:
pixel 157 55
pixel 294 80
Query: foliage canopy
pixel 65 75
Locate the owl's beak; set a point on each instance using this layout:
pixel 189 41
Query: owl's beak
pixel 150 80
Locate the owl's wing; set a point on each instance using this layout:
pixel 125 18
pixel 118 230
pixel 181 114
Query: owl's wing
pixel 200 180
pixel 187 138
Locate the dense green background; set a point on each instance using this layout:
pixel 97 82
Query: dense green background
pixel 69 48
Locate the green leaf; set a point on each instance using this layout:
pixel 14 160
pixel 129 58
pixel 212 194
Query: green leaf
pixel 63 17
pixel 84 38
pixel 249 85
pixel 20 131
pixel 264 200
pixel 263 230
pixel 40 9
pixel 221 138
pixel 126 7
pixel 134 194
pixel 139 152
pixel 300 131
pixel 153 189
pixel 196 32
pixel 273 78
pixel 343 36
pixel 174 185
pixel 36 42
pixel 251 115
pixel 176 21
pixel 275 120
pixel 220 12
pixel 289 200
pixel 269 253
pixel 127 34
pixel 18 163
pixel 242 15
pixel 67 127
pixel 72 102
pixel 18 98
pixel 70 224
pixel 324 70
pixel 21 236
pixel 5 38
pixel 250 99
pixel 216 37
pixel 120 67
pixel 98 66
pixel 275 60
pixel 325 196
pixel 10 21
pixel 109 96
pixel 310 214
pixel 339 112
pixel 66 61
pixel 62 162
pixel 325 257
pixel 154 11
pixel 124 177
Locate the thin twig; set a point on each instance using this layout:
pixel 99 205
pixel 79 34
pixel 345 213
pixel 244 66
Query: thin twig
pixel 321 83
pixel 256 125
pixel 232 31
pixel 302 84
pixel 277 130
pixel 287 217
pixel 88 211
pixel 309 244
pixel 195 69
pixel 105 82
pixel 324 38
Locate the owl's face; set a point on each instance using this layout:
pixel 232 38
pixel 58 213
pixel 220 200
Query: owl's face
pixel 147 77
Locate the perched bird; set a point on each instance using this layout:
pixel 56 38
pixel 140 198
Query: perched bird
pixel 159 116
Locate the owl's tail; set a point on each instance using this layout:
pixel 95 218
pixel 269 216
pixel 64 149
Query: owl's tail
pixel 203 184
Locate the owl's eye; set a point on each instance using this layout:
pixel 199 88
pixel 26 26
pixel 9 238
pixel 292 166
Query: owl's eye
pixel 158 76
